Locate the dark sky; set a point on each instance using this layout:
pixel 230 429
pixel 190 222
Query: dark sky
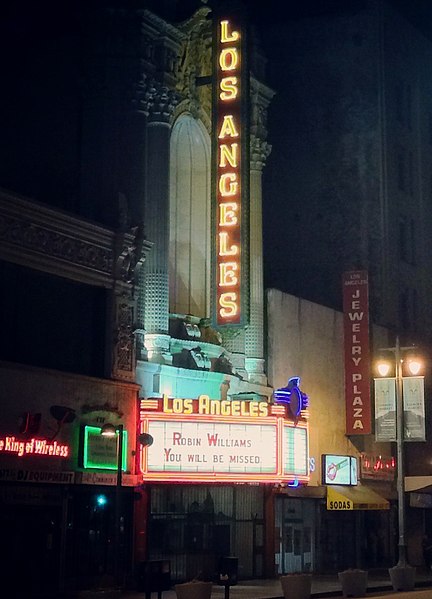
pixel 269 12
pixel 419 12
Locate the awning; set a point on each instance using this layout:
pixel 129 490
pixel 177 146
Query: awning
pixel 354 498
pixel 306 491
pixel 418 483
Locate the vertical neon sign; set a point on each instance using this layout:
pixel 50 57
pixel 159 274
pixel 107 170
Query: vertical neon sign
pixel 230 185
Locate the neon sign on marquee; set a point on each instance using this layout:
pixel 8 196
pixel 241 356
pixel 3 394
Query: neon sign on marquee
pixel 210 440
pixel 230 187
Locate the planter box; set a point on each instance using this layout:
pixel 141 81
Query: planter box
pixel 99 594
pixel 296 586
pixel 402 578
pixel 353 583
pixel 193 590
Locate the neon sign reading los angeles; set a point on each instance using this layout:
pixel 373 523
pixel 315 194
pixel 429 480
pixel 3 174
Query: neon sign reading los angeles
pixel 230 183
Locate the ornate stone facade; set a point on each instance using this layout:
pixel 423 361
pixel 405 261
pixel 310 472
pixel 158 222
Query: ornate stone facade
pixel 39 237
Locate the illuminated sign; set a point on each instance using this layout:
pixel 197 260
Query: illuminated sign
pixel 230 161
pixel 105 478
pixel 292 396
pixel 33 447
pixel 295 450
pixel 211 440
pixel 212 447
pixel 214 407
pixel 356 349
pixel 100 451
pixel 37 476
pixel 377 467
pixel 339 470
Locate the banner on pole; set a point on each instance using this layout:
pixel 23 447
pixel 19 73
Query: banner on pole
pixel 385 409
pixel 414 410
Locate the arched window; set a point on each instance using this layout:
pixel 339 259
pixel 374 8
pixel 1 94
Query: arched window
pixel 189 273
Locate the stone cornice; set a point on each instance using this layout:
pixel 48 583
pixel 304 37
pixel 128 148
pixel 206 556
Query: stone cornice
pixel 160 27
pixel 37 236
pixel 261 96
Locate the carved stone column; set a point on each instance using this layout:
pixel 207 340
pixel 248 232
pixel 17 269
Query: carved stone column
pixel 259 151
pixel 156 288
pixel 234 342
pixel 130 251
pixel 141 103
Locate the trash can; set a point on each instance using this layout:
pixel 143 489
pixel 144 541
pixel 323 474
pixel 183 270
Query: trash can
pixel 153 576
pixel 228 571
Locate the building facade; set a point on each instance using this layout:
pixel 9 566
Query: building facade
pixel 67 368
pixel 130 213
pixel 351 524
pixel 353 161
pixel 114 171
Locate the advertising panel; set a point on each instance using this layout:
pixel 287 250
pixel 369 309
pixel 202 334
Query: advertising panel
pixel 385 409
pixel 100 451
pixel 339 470
pixel 356 350
pixel 377 467
pixel 212 447
pixel 414 410
pixel 413 407
pixel 295 451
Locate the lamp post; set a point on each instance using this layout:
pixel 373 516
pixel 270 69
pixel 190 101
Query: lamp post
pixel 109 430
pixel 384 367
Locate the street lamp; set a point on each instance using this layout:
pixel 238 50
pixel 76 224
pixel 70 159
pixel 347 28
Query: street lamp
pixel 385 366
pixel 109 430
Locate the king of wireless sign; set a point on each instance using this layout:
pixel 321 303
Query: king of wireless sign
pixel 230 173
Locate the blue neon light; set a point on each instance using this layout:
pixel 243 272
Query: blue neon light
pixel 292 396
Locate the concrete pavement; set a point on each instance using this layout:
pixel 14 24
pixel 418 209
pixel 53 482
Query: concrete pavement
pixel 379 585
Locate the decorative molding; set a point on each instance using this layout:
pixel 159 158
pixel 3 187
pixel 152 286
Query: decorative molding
pixel 260 96
pixel 158 348
pixel 43 238
pixel 163 103
pixel 164 40
pixel 196 62
pixel 131 255
pixel 259 152
pixel 143 94
pixel 124 339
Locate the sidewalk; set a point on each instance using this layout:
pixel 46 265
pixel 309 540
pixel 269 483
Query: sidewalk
pixel 379 585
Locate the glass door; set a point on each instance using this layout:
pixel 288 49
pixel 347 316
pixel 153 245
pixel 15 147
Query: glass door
pixel 295 532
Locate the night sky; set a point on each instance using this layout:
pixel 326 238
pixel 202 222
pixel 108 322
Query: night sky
pixel 26 22
pixel 418 12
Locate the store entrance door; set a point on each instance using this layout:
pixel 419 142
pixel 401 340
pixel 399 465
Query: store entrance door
pixel 295 532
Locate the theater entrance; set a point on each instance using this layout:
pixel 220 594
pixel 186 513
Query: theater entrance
pixel 294 535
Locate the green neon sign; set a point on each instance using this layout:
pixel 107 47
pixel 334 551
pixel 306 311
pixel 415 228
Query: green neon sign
pixel 100 451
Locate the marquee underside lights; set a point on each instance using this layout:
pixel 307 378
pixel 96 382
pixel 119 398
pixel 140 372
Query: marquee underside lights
pixel 229 167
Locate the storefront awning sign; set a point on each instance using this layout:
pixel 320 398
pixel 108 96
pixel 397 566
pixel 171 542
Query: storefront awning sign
pixel 354 498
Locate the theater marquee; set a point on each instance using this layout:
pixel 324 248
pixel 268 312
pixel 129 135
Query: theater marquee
pixel 230 173
pixel 210 440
